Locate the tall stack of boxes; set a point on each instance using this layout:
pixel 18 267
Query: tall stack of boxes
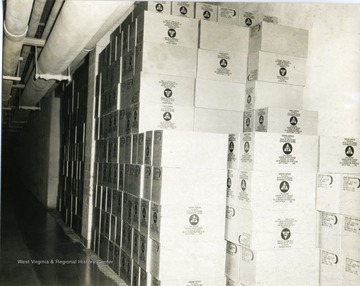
pixel 338 205
pixel 271 217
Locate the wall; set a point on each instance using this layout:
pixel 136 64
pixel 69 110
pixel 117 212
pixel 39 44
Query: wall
pixel 333 66
pixel 38 156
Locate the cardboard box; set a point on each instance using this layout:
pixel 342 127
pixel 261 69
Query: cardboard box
pixel 247 18
pixel 204 11
pixel 122 144
pixel 145 278
pixel 233 161
pixel 135 246
pixel 262 267
pixel 147 117
pixel 135 280
pixel 232 263
pixel 206 260
pixel 351 270
pixel 276 68
pixel 283 152
pixel 339 155
pixel 149 145
pixel 167 29
pixel 261 94
pixel 162 7
pixel 215 281
pixel 275 190
pixel 166 59
pixel 144 216
pixel 128 149
pixel 152 88
pixel 232 187
pixel 217 121
pixel 127 239
pixel 331 265
pixel 138 180
pixel 141 149
pixel 148 180
pixel 135 213
pixel 228 15
pixel 145 252
pixel 183 9
pixel 215 94
pixel 134 148
pixel 126 268
pixel 189 149
pixel 222 65
pixel 263 229
pixel 278 39
pixel 223 37
pixel 338 193
pixel 280 120
pixel 175 186
pixel 267 18
pixel 196 223
pixel 113 150
pixel 339 233
pixel 128 65
pixel 125 31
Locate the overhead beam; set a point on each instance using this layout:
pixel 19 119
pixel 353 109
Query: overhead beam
pixel 34 42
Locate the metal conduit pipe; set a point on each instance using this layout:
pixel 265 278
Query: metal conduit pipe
pixel 77 23
pixel 33 26
pixel 15 28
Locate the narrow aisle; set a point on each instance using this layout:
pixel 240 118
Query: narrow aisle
pixel 36 251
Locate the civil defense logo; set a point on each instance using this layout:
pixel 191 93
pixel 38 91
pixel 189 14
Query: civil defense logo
pixel 349 151
pixel 168 92
pixel 171 33
pixel 248 22
pixel 155 217
pixel 261 120
pixel 246 147
pixel 183 10
pixel 167 116
pixel 223 63
pixel 194 219
pixel 293 120
pixel 231 146
pixel 285 234
pixel 159 7
pixel 206 14
pixel 284 186
pixel 243 184
pixel 287 148
pixel 282 71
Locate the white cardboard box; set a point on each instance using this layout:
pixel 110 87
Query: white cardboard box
pixel 222 65
pixel 215 94
pixel 145 278
pixel 283 152
pixel 196 223
pixel 189 149
pixel 298 267
pixel 183 9
pixel 141 149
pixel 339 233
pixel 217 121
pixel 205 11
pixel 145 252
pixel 149 145
pixel 260 230
pixel 232 187
pixel 152 88
pixel 339 155
pixel 247 18
pixel 166 59
pixel 351 270
pixel 276 68
pixel 199 260
pixel 167 29
pixel 214 281
pixel 233 159
pixel 146 193
pixel 161 7
pixel 134 148
pixel 331 266
pixel 228 15
pixel 175 186
pixel 338 193
pixel 276 190
pixel 280 120
pixel 261 94
pixel 223 37
pixel 278 39
pixel 147 117
pixel 144 216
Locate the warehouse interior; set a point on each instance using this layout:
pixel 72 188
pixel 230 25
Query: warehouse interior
pixel 62 63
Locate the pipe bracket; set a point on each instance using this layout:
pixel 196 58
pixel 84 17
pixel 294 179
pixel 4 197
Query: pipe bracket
pixel 14 37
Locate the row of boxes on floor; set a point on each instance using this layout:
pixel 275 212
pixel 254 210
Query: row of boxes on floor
pixel 338 205
pixel 160 196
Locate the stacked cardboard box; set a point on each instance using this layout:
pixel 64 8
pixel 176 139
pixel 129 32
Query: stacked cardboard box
pixel 338 201
pixel 271 217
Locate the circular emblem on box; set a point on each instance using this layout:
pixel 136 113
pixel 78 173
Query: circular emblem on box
pixel 171 33
pixel 243 184
pixel 285 234
pixel 183 10
pixel 194 219
pixel 247 122
pixel 159 7
pixel 143 212
pixel 293 120
pixel 135 115
pixel 206 14
pixel 349 151
pixel 248 99
pixel 147 151
pixel 142 247
pixel 284 186
pixel 231 146
pixel 248 22
pixel 287 148
pixel 246 147
pixel 167 116
pixel 228 182
pixel 157 173
pixel 232 248
pixel 155 218
pixel 168 92
pixel 261 119
pixel 223 63
pixel 282 71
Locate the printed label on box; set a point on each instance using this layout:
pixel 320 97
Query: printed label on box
pixel 155 219
pixel 231 148
pixel 293 120
pixel 287 149
pixel 284 187
pixel 324 181
pixel 193 228
pixel 329 258
pixel 244 239
pixel 285 233
pixel 244 193
pixel 351 184
pixel 248 18
pixel 249 98
pixel 352 266
pixel 283 64
pixel 349 160
pixel 329 220
pixel 246 156
pixel 352 225
pixel 247 255
pixel 224 59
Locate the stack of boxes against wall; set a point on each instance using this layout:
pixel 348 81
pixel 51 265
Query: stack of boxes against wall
pixel 271 217
pixel 73 112
pixel 338 205
pixel 153 186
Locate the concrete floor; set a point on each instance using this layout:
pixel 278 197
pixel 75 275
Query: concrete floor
pixel 36 251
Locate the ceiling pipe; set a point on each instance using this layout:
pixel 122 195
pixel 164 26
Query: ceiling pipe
pixel 76 25
pixel 15 29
